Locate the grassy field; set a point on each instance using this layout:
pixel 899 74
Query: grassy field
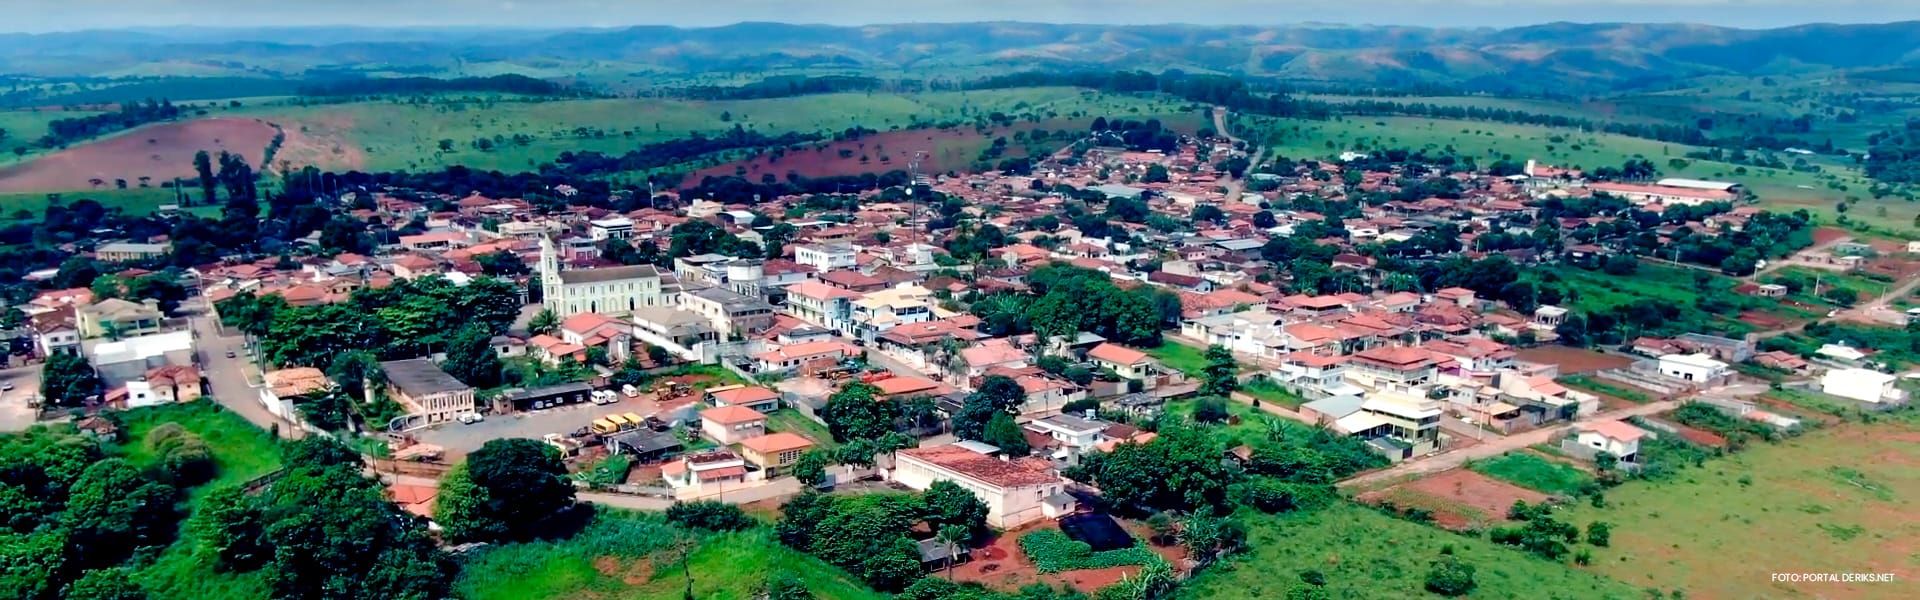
pixel 1265 390
pixel 23 127
pixel 1487 142
pixel 1530 471
pixel 1365 554
pixel 1835 500
pixel 1180 357
pixel 402 135
pixel 1857 282
pixel 1598 386
pixel 788 419
pixel 619 556
pixel 242 452
pixel 1597 291
pixel 133 201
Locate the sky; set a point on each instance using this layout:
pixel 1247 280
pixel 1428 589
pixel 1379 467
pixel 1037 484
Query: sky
pixel 65 15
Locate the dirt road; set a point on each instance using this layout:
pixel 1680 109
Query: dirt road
pixel 1496 447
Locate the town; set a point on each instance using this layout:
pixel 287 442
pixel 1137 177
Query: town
pixel 1383 325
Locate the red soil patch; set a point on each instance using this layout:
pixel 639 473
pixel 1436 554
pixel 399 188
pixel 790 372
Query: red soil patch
pixel 1001 565
pixel 1701 437
pixel 1459 498
pixel 1823 235
pixel 1762 320
pixel 160 152
pixel 947 150
pixel 1573 360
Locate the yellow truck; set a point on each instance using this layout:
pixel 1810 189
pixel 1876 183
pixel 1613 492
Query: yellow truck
pixel 604 426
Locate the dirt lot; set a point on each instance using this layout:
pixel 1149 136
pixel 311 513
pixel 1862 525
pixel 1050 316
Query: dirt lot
pixel 1002 566
pixel 1573 360
pixel 160 152
pixel 1459 498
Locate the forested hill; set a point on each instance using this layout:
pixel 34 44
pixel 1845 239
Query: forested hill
pixel 1551 56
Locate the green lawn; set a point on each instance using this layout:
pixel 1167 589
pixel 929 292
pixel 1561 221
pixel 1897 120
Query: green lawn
pixel 1860 283
pixel 619 556
pixel 1530 471
pixel 1597 291
pixel 1837 499
pixel 1365 554
pixel 242 452
pixel 1592 385
pixel 24 127
pixel 1265 390
pixel 132 201
pixel 1180 357
pixel 788 419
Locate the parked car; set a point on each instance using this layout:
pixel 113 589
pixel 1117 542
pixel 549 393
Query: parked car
pixel 471 418
pixel 6 387
pixel 229 354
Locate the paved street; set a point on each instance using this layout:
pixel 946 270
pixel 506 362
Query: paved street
pixel 1496 447
pixel 880 359
pixel 14 413
pixel 231 381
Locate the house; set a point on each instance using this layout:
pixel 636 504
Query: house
pixel 907 387
pixel 1617 438
pixel 1698 368
pixel 131 359
pixel 696 471
pixel 1123 361
pixel 610 228
pixel 668 327
pixel 774 453
pixel 1016 491
pixel 117 318
pixel 749 396
pixel 174 383
pixel 54 332
pixel 1396 366
pixel 1717 347
pixel 284 387
pixel 1071 435
pixel 990 354
pixel 1775 359
pixel 885 309
pixel 129 251
pixel 730 424
pixel 792 356
pixel 1314 377
pixel 1400 423
pixel 1864 385
pixel 594 330
pixel 822 304
pixel 427 394
pixel 1457 296
pixel 827 257
pixel 728 311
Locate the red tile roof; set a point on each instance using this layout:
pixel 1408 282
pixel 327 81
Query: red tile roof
pixel 986 469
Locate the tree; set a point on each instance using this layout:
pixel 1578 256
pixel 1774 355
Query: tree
pixel 1265 220
pixel 501 263
pixel 105 584
pixel 1001 432
pixel 1221 375
pixel 1156 173
pixel 228 528
pixel 949 505
pixel 67 380
pixel 203 168
pixel 855 413
pixel 1211 409
pixel 710 515
pixel 785 587
pixel 1841 296
pixel 1207 538
pixel 1180 470
pixel 811 468
pixel 996 394
pixel 544 322
pixel 953 536
pixel 511 486
pixel 112 510
pixel 1448 576
pixel 471 358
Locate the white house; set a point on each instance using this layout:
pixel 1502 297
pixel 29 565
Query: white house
pixel 1074 434
pixel 1864 385
pixel 610 228
pixel 1696 367
pixel 827 257
pixel 1612 437
pixel 1016 491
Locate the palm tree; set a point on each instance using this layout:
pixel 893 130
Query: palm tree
pixel 544 321
pixel 952 535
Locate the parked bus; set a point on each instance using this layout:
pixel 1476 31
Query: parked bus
pixel 604 427
pixel 621 422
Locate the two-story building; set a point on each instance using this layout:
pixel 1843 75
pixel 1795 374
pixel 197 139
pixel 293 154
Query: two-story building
pixel 427 394
pixel 728 311
pixel 1016 491
pixel 827 257
pixel 730 424
pixel 774 453
pixel 1389 367
pixel 822 304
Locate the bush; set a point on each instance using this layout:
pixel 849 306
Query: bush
pixel 182 457
pixel 710 515
pixel 1450 577
pixel 1212 409
pixel 1271 495
pixel 1053 552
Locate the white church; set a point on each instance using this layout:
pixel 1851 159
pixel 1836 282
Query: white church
pixel 604 290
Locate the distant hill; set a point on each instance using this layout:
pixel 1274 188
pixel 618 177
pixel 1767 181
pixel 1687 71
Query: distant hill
pixel 1564 56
